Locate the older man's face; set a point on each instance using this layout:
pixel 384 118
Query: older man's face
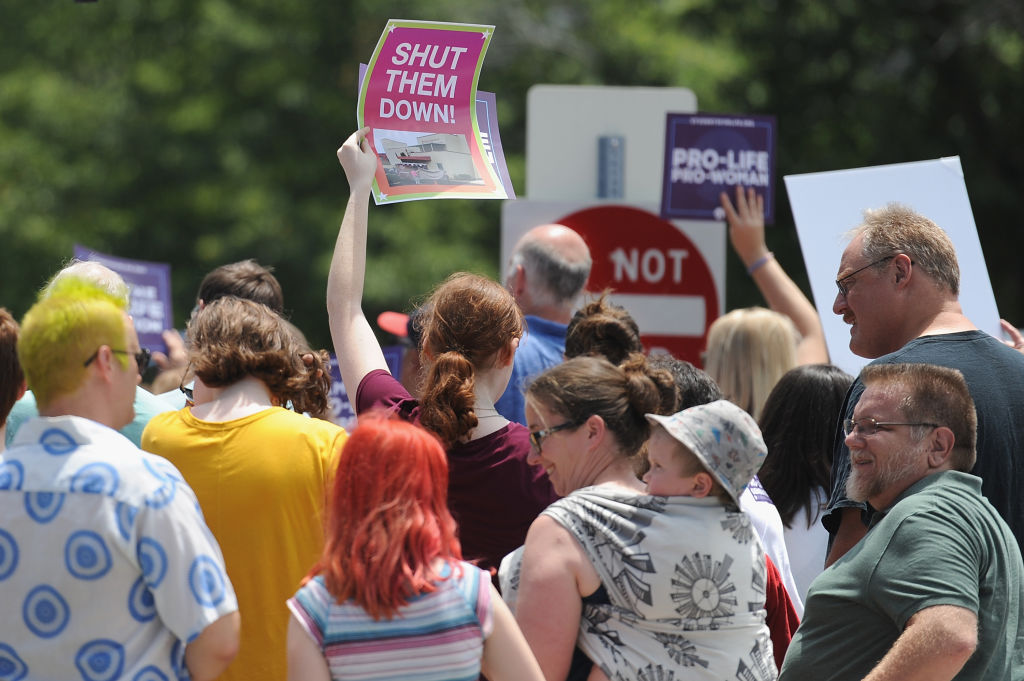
pixel 866 305
pixel 884 464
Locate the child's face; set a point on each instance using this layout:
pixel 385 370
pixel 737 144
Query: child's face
pixel 665 477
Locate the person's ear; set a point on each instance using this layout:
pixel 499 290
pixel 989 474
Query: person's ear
pixel 105 362
pixel 940 446
pixel 596 428
pixel 21 390
pixel 508 353
pixel 903 267
pixel 702 485
pixel 517 282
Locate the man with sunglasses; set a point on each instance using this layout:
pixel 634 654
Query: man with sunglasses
pixel 899 287
pixel 146 404
pixel 935 590
pixel 107 569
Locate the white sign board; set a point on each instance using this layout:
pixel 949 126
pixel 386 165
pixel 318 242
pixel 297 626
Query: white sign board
pixel 827 205
pixel 564 123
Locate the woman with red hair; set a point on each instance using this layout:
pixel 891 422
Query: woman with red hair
pixel 391 597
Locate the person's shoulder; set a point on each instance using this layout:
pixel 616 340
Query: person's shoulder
pixel 161 422
pixel 320 431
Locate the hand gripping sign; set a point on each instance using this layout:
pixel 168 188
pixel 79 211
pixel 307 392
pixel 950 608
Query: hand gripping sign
pixel 419 100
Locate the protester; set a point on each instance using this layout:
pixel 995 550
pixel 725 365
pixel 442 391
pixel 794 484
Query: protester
pixel 748 350
pixel 595 584
pixel 260 471
pixel 12 379
pixel 106 567
pixel 470 335
pixel 390 597
pixel 746 235
pixel 243 279
pixel 899 284
pixel 933 591
pixel 798 422
pixel 602 329
pixel 694 387
pixel 548 270
pixel 146 404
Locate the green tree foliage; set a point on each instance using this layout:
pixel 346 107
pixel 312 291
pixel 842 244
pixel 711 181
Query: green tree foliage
pixel 199 132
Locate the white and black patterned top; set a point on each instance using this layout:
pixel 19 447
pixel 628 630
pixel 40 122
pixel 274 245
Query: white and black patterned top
pixel 686 581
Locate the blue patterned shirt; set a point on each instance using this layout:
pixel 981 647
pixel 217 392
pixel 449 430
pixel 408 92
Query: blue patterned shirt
pixel 107 569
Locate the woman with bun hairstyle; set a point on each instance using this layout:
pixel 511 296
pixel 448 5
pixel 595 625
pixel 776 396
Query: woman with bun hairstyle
pixel 602 329
pixel 610 578
pixel 390 597
pixel 471 329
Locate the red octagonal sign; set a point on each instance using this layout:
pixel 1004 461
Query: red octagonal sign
pixel 655 271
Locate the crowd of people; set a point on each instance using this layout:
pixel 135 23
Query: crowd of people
pixel 536 499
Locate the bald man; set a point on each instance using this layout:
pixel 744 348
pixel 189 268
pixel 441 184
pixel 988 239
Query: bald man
pixel 548 270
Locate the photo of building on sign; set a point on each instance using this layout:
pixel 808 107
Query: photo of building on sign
pixel 431 158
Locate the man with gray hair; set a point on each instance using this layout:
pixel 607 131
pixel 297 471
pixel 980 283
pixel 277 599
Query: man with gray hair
pixel 548 270
pixel 899 288
pixel 934 590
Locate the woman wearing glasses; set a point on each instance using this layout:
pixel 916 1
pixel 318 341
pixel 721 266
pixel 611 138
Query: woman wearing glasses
pixel 260 471
pixel 471 328
pixel 609 583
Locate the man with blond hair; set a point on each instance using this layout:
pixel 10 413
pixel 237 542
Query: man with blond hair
pixel 107 570
pixel 146 405
pixel 899 288
pixel 934 590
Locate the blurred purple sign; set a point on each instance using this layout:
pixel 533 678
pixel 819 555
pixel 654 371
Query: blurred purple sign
pixel 150 284
pixel 706 154
pixel 340 408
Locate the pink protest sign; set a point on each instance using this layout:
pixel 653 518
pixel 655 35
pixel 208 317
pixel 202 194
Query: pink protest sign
pixel 419 100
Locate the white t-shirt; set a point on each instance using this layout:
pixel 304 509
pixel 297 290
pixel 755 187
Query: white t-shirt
pixel 766 520
pixel 807 545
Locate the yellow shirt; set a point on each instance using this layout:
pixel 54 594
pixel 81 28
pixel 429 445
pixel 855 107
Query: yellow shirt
pixel 262 481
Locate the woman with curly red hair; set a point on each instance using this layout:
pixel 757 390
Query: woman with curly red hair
pixel 391 597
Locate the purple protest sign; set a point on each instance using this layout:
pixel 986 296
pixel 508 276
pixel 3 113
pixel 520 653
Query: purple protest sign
pixel 706 154
pixel 150 283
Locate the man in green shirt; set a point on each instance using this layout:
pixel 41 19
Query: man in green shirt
pixel 934 590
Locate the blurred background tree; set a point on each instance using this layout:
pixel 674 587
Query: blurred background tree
pixel 200 132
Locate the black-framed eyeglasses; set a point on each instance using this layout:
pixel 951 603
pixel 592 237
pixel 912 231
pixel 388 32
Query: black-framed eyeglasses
pixel 186 391
pixel 844 288
pixel 537 436
pixel 141 357
pixel 868 426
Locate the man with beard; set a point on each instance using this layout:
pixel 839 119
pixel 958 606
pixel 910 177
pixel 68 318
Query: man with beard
pixel 899 288
pixel 933 591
